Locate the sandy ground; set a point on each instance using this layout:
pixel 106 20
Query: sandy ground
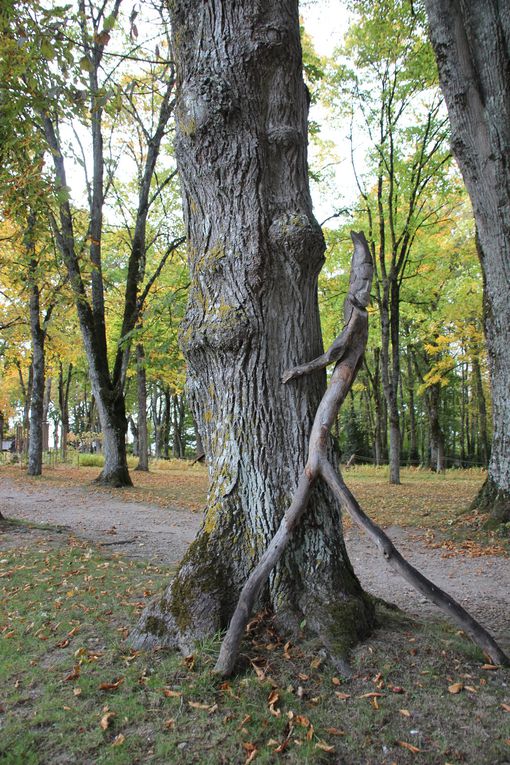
pixel 481 585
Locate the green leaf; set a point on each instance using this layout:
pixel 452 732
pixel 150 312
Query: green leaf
pixel 47 50
pixel 85 64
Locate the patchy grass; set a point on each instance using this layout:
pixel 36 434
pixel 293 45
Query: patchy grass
pixel 74 692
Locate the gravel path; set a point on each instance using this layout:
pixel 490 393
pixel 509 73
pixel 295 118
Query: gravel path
pixel 481 585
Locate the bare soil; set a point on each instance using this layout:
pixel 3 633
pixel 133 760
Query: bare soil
pixel 161 535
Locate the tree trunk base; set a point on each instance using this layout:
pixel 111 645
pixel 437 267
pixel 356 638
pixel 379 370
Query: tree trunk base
pixel 116 479
pixel 199 603
pixel 141 469
pixel 492 500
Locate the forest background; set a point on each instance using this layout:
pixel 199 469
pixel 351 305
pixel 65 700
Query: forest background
pixel 96 90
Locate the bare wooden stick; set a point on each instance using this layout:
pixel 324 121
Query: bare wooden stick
pixel 347 350
pixel 356 330
pixel 445 602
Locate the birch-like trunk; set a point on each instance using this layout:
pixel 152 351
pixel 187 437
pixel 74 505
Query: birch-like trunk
pixel 255 252
pixel 471 41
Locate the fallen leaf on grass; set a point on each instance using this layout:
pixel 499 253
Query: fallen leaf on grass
pixel 409 747
pixel 77 691
pixel 506 707
pixel 274 698
pixel 118 740
pixel 170 723
pixel 341 695
pixel 227 688
pixel 171 694
pixel 335 731
pixel 455 687
pixel 325 747
pixel 106 720
pixel 207 707
pixel 111 686
pixel 336 681
pixel 302 720
pixel 371 695
pixel 74 674
pixel 405 712
pixel 489 667
pixel 251 750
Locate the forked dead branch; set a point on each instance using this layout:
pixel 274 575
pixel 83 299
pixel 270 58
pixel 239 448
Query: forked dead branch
pixel 347 354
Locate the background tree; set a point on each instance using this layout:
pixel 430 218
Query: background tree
pixel 83 84
pixel 387 80
pixel 470 40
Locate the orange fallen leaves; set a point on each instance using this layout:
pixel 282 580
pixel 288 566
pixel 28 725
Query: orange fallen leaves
pixel 111 686
pixel 409 747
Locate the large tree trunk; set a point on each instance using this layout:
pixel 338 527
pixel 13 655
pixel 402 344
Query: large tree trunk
pixel 471 40
pixel 255 254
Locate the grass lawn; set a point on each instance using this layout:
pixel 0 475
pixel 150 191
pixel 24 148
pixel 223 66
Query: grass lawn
pixel 72 690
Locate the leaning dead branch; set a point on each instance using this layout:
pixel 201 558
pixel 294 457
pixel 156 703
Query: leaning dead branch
pixel 347 351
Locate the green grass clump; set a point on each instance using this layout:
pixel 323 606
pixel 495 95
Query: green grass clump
pixel 73 691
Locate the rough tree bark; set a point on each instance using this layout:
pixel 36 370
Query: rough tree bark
pixel 472 41
pixel 255 251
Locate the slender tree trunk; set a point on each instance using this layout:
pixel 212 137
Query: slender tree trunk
pixel 390 368
pixel 179 446
pixel 156 420
pixel 433 394
pixel 63 402
pixel 414 456
pixel 167 419
pixel 471 42
pixel 35 441
pixel 142 438
pixel 255 254
pixel 482 414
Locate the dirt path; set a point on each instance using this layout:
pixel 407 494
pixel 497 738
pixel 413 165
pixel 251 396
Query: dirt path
pixel 482 585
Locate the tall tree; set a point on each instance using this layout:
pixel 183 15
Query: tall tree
pixel 80 93
pixel 255 251
pixel 396 108
pixel 472 45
